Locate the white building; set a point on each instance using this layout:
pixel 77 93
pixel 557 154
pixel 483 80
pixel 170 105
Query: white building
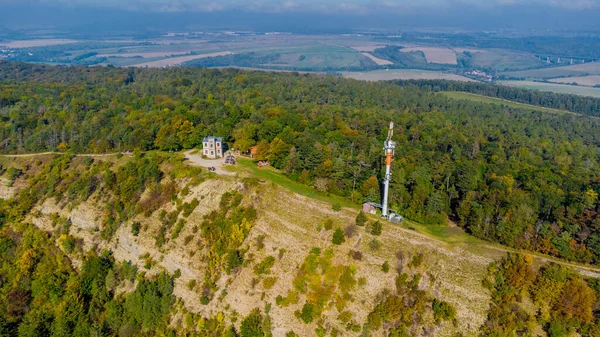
pixel 212 147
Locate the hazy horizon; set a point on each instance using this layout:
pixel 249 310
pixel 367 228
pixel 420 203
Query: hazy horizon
pixel 307 15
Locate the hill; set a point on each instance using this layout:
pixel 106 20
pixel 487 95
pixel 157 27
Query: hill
pixel 207 250
pixel 184 231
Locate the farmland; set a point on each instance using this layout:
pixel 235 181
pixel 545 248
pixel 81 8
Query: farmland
pixel 552 87
pixel 434 54
pixel 403 74
pixel 377 60
pixel 497 59
pixel 554 72
pixel 181 59
pixel 588 81
pixel 286 51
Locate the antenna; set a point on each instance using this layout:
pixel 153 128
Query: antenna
pixel 388 148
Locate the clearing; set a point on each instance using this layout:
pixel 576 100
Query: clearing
pixel 219 164
pixel 588 81
pixel 403 74
pixel 553 87
pixel 435 54
pixel 181 59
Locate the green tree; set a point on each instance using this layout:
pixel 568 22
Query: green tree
pixel 252 325
pixel 376 228
pixel 361 219
pixel 338 236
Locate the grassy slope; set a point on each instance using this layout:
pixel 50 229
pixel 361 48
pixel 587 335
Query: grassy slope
pixel 438 233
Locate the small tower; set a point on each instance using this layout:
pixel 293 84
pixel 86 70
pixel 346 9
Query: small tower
pixel 388 148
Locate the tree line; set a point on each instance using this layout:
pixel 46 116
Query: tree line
pixel 574 103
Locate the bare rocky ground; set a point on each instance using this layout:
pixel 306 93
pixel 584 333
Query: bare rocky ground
pixel 288 221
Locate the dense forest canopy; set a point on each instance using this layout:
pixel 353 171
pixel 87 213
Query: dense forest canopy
pixel 523 178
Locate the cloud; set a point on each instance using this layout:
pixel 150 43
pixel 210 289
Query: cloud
pixel 320 6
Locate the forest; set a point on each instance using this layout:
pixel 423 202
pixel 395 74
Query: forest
pixel 574 103
pixel 522 178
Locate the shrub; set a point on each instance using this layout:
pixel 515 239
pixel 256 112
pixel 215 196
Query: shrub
pixel 443 311
pixel 338 237
pixel 375 244
pixel 361 219
pixel 356 255
pixel 252 325
pixel 416 260
pixel 13 173
pixel 269 282
pixel 328 224
pixel 234 259
pixel 350 230
pixel 178 228
pixel 264 267
pixel 376 228
pixel 385 267
pixel 307 313
pixel 336 207
pixel 135 228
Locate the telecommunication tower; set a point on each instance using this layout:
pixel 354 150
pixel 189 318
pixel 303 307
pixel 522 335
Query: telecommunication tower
pixel 388 148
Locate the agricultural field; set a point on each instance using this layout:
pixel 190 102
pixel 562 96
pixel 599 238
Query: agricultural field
pixel 588 81
pixel 316 56
pixel 317 53
pixel 403 74
pixel 179 60
pixel 555 72
pixel 380 62
pixel 496 59
pixel 435 54
pixel 552 87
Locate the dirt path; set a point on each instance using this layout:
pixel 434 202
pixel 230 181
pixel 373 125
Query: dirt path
pixel 218 164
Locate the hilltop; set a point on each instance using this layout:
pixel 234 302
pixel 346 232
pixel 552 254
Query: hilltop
pixel 501 204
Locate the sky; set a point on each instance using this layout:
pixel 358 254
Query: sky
pixel 275 14
pixel 319 6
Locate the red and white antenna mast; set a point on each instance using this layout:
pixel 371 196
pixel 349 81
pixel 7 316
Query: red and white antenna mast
pixel 388 147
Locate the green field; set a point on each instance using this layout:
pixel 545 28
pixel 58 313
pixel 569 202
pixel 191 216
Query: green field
pixel 318 56
pixel 500 60
pixel 403 74
pixel 566 71
pixel 558 88
pixel 459 95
